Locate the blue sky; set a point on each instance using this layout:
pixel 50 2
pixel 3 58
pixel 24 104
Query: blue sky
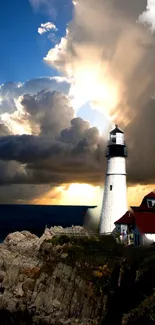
pixel 22 48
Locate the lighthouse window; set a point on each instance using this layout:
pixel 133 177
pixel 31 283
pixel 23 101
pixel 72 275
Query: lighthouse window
pixel 110 187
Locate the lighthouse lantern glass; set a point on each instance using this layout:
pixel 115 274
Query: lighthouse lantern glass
pixel 113 138
pixel 119 138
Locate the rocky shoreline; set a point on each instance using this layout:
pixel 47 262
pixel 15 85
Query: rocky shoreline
pixel 69 279
pixel 28 295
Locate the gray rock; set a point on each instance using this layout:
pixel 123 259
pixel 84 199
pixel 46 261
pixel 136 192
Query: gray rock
pixel 49 290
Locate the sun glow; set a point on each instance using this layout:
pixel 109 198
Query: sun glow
pixel 76 194
pixel 89 87
pixel 81 194
pixel 100 91
pixel 91 80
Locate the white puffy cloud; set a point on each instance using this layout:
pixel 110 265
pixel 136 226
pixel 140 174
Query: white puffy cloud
pixel 43 113
pixel 10 92
pixel 46 27
pixel 108 52
pixel 108 55
pixel 148 16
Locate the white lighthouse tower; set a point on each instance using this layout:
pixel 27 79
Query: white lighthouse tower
pixel 115 190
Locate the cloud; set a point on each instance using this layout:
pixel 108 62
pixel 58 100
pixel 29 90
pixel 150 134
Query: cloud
pixel 11 171
pixel 46 6
pixel 73 156
pixel 58 147
pixel 107 58
pixel 148 16
pixel 21 193
pixel 65 149
pixel 53 38
pixel 140 135
pixel 109 51
pixel 32 86
pixel 52 8
pixel 44 28
pixel 110 59
pixel 46 113
pixel 62 149
pixel 10 91
pixel 4 130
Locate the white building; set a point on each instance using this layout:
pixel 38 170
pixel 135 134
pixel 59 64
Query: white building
pixel 115 189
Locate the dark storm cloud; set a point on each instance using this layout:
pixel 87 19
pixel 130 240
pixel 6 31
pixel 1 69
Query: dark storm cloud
pixel 130 8
pixel 11 171
pixel 12 90
pixel 75 132
pixel 21 193
pixel 73 156
pixel 4 130
pixel 140 136
pixel 75 153
pixel 51 111
pixel 64 149
pixel 60 84
pixel 33 86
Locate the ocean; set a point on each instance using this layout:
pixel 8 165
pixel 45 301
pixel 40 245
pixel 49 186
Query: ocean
pixel 34 218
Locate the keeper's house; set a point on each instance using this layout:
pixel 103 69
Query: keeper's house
pixel 137 226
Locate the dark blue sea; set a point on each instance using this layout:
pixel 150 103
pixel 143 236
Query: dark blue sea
pixel 34 218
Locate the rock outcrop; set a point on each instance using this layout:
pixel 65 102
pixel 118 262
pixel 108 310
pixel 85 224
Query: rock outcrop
pixel 42 289
pixel 71 279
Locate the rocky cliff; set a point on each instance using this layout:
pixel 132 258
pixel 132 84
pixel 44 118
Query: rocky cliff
pixel 37 286
pixel 70 280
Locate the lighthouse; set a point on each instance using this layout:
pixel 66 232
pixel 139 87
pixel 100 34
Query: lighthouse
pixel 115 190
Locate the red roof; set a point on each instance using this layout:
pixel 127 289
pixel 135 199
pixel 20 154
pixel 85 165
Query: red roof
pixel 127 219
pixel 143 216
pixel 143 205
pixel 145 222
pixel 142 208
pixel 150 195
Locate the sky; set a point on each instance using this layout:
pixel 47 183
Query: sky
pixel 23 47
pixel 70 70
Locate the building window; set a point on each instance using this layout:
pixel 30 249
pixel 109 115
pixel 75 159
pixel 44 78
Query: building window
pixel 150 204
pixel 110 187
